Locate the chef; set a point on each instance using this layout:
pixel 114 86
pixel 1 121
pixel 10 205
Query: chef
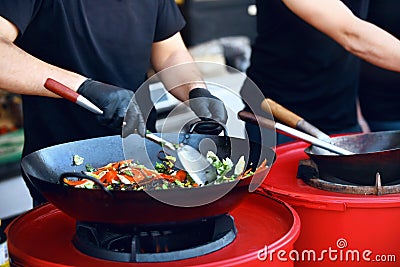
pixel 102 50
pixel 306 57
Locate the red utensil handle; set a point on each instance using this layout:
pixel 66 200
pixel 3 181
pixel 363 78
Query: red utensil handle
pixel 61 90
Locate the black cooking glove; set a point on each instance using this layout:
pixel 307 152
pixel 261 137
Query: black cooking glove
pixel 114 102
pixel 208 107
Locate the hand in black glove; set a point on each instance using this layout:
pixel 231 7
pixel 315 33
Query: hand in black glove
pixel 207 107
pixel 114 102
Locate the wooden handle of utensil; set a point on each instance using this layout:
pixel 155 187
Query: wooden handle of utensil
pixel 281 113
pixel 61 90
pixel 258 120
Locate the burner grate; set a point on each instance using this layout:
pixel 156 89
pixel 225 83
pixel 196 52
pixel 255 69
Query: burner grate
pixel 308 172
pixel 154 243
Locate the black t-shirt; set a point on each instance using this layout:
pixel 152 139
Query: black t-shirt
pixel 379 91
pixel 304 69
pixel 107 40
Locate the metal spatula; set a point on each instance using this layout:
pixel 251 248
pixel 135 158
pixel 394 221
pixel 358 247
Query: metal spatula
pixel 198 167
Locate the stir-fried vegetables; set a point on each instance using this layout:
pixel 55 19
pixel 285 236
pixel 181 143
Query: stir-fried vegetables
pixel 129 175
pixel 224 166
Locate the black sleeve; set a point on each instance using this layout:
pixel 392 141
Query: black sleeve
pixel 19 12
pixel 169 20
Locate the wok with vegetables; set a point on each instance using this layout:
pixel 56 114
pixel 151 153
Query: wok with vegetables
pixel 128 175
pixel 61 174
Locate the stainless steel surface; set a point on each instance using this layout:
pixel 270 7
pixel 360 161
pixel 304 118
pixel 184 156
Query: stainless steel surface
pixel 14 197
pixel 181 113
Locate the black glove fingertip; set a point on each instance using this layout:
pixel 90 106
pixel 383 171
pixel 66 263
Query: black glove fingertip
pixel 199 92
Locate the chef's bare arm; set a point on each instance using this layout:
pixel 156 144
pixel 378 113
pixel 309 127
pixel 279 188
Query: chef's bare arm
pixel 173 52
pixel 22 73
pixel 357 36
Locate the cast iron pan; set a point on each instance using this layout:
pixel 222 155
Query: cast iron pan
pixel 374 152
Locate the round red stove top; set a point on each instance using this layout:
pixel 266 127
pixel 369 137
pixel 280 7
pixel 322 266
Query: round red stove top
pixel 42 237
pixel 282 180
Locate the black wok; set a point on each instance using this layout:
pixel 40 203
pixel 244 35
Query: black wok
pixel 44 168
pixel 374 152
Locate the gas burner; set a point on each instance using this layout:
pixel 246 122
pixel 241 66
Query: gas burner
pixel 308 172
pixel 154 243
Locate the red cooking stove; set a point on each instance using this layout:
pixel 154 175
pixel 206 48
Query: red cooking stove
pixel 258 227
pixel 341 224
